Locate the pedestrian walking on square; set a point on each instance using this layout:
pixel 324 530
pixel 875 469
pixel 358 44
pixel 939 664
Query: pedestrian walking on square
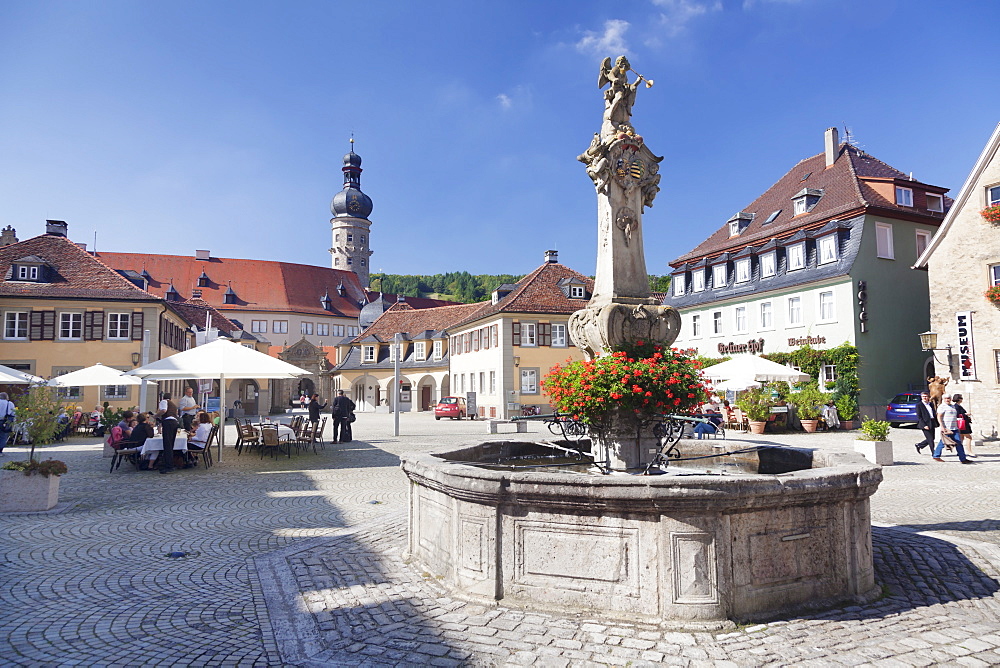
pixel 6 419
pixel 964 425
pixel 948 417
pixel 189 409
pixel 927 421
pixel 167 412
pixel 342 410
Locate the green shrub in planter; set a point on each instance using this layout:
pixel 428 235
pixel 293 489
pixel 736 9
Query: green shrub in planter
pixel 808 401
pixel 847 406
pixel 33 467
pixel 874 430
pixel 756 403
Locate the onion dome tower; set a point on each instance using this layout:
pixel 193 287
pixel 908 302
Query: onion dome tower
pixel 350 224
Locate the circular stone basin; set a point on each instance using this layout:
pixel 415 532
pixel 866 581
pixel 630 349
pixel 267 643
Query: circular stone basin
pixel 695 549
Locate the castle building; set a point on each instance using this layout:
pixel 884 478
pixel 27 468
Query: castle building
pixel 350 226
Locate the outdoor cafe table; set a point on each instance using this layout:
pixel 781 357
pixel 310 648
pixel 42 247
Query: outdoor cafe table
pixel 155 444
pixel 283 430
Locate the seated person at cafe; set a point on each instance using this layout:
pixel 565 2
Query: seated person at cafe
pixel 140 432
pixel 830 417
pixel 125 424
pixel 198 437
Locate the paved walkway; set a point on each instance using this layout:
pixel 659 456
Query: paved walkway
pixel 297 562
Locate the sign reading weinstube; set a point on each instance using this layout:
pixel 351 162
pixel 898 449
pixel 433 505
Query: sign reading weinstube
pixel 966 355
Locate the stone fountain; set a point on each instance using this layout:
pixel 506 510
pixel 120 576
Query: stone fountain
pixel 790 531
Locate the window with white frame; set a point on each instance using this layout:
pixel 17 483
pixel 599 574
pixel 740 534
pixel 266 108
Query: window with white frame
pixel 350 238
pixel 826 307
pixel 420 350
pixel 766 316
pixel 935 203
pixel 883 241
pixel 119 326
pixel 923 241
pixel 393 351
pixel 743 270
pixel 719 276
pixel 27 273
pixel 438 349
pixel 799 206
pixel 461 383
pixel 827 247
pixel 698 280
pixel 306 327
pixel 740 313
pixel 482 382
pixel 529 381
pixel 258 326
pixel 493 382
pixel 528 331
pixel 734 228
pixel 794 311
pixel 768 264
pixel 678 281
pixel 15 325
pixel 558 336
pixel 992 195
pixel 66 392
pixel 322 329
pixel 829 373
pixel 717 322
pixel 352 330
pixel 70 326
pixel 904 196
pixel 115 392
pixel 797 256
pixel 576 292
pixel 279 326
pixel 695 326
pixel 338 330
pixel 368 353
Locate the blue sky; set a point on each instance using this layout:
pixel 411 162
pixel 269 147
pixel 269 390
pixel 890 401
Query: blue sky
pixel 172 126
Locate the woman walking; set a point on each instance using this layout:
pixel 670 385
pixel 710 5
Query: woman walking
pixel 964 425
pixel 948 418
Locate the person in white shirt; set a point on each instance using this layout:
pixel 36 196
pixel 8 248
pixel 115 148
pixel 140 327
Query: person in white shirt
pixel 6 419
pixel 198 438
pixel 948 417
pixel 188 408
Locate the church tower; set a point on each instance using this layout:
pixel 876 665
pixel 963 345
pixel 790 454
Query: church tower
pixel 350 224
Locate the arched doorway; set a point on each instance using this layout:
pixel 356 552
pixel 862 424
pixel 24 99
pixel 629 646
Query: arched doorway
pixel 365 393
pixel 249 392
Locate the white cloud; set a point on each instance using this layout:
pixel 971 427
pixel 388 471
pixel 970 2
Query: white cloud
pixel 676 14
pixel 505 101
pixel 611 41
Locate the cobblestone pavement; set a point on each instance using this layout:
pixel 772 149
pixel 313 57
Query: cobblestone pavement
pixel 298 562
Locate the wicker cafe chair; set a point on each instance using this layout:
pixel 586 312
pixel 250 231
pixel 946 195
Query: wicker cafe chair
pixel 296 424
pixel 271 442
pixel 318 435
pixel 246 437
pixel 130 455
pixel 205 455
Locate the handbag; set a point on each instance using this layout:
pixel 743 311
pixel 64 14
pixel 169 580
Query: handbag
pixel 960 423
pixel 352 417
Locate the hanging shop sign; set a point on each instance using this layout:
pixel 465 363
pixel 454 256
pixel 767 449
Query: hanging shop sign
pixel 751 346
pixel 966 354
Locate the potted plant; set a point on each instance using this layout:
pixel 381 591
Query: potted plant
pixel 991 213
pixel 993 294
pixel 808 402
pixel 847 409
pixel 756 403
pixel 33 485
pixel 873 442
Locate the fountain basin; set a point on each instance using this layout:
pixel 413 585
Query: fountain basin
pixel 694 549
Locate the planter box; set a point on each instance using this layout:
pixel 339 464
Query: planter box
pixel 21 493
pixel 809 426
pixel 877 452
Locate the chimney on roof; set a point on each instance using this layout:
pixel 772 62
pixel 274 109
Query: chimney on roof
pixel 56 228
pixel 832 145
pixel 551 256
pixel 202 255
pixel 81 245
pixel 400 298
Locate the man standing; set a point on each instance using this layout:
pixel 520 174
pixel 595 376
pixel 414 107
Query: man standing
pixel 188 409
pixel 6 419
pixel 342 409
pixel 948 417
pixel 167 412
pixel 927 421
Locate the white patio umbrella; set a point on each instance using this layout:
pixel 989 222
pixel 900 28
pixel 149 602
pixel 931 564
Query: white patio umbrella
pixel 753 367
pixel 9 376
pixel 734 384
pixel 219 359
pixel 93 375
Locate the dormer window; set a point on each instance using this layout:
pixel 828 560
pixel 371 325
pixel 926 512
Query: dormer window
pixel 27 273
pixel 743 270
pixel 935 203
pixel 576 292
pixel 368 353
pixel 719 276
pixel 827 248
pixel 172 295
pixel 904 196
pixel 804 200
pixel 739 222
pixel 325 302
pixel 229 297
pixel 768 264
pixel 797 256
pixel 698 280
pixel 678 285
pixel 203 280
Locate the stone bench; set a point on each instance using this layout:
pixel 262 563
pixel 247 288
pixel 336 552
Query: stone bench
pixel 522 427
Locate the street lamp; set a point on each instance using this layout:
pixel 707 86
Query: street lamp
pixel 928 343
pixel 395 402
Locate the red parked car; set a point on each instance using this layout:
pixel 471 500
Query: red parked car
pixel 451 407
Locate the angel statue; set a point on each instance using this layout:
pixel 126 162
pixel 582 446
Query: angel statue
pixel 620 96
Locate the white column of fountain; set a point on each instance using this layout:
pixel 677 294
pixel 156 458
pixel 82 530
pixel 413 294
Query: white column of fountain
pixel 626 178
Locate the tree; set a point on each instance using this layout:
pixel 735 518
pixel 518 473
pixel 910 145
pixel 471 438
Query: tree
pixel 38 410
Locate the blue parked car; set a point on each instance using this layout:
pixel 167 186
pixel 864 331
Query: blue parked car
pixel 902 408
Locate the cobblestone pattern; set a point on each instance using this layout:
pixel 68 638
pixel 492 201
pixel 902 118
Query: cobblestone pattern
pixel 298 562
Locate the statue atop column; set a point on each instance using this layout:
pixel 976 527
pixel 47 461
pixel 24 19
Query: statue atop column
pixel 626 178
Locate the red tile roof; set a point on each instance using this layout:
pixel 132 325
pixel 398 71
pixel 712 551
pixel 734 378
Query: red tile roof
pixel 77 274
pixel 403 318
pixel 193 311
pixel 260 285
pixel 847 187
